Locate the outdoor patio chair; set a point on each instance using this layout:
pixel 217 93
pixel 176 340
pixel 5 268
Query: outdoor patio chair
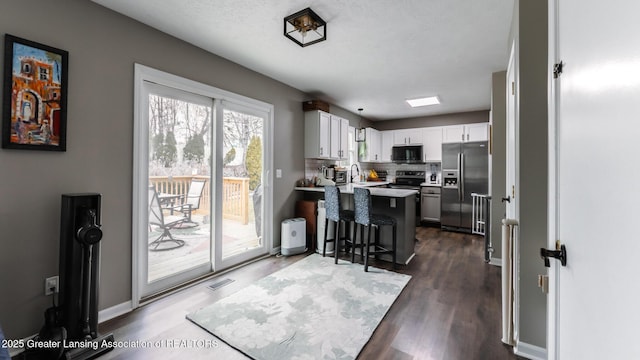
pixel 165 223
pixel 191 202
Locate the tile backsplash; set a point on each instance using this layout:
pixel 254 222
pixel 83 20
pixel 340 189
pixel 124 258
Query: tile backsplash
pixel 312 167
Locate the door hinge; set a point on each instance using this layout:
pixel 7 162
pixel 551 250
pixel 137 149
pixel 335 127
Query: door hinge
pixel 513 88
pixel 557 69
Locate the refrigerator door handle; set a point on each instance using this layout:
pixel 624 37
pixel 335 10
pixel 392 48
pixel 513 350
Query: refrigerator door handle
pixel 461 181
pixel 459 177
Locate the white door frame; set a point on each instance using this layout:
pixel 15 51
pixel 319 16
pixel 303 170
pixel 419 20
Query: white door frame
pixel 552 213
pixel 140 159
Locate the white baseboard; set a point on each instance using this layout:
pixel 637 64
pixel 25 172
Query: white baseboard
pixel 495 261
pixel 530 351
pixel 103 315
pixel 114 311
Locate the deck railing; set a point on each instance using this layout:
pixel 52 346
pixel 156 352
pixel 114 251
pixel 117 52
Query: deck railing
pixel 235 193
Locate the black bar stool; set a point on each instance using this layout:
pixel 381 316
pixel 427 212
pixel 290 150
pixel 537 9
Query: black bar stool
pixel 334 213
pixel 365 217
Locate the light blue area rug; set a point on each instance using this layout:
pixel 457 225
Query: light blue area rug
pixel 312 309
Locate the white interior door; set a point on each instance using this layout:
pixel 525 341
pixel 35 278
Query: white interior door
pixel 595 116
pixel 511 190
pixel 512 137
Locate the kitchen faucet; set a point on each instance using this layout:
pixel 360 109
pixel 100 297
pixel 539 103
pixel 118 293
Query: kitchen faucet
pixel 357 169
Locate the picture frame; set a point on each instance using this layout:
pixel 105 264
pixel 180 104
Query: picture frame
pixel 361 135
pixel 34 110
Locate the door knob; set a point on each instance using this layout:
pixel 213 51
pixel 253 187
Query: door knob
pixel 507 199
pixel 561 255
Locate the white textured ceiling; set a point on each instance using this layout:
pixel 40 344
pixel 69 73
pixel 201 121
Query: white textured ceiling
pixel 377 53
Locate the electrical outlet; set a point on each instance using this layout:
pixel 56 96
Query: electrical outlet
pixel 51 285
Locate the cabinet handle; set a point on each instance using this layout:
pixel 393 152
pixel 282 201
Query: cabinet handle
pixel 320 150
pixel 467 137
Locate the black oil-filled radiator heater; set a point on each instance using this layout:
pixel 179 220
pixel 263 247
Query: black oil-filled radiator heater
pixel 80 235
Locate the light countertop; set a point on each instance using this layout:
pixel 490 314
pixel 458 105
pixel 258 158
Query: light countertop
pixel 373 187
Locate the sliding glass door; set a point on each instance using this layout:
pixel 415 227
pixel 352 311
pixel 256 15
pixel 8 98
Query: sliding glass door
pixel 241 195
pixel 200 181
pixel 179 178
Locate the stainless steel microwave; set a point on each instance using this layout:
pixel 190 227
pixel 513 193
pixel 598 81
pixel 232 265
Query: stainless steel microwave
pixel 407 154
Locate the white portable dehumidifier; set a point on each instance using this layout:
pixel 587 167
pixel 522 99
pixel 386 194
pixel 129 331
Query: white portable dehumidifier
pixel 293 236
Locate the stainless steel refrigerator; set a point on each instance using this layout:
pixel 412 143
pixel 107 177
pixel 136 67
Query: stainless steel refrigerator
pixel 465 170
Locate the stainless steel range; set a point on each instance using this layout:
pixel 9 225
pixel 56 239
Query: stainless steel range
pixel 407 179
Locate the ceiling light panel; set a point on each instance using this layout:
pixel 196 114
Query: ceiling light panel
pixel 432 100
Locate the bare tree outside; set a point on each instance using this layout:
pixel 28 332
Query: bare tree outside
pixel 239 129
pixel 180 139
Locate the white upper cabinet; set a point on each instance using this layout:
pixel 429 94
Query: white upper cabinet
pixel 386 145
pixel 371 151
pixel 432 143
pixel 339 138
pixel 325 136
pixel 452 133
pixel 407 137
pixel 477 132
pixel 464 133
pixel 317 130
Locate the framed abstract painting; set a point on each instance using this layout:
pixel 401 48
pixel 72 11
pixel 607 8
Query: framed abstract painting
pixel 34 113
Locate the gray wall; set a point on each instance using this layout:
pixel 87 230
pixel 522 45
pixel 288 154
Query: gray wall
pixel 354 118
pixel 498 158
pixel 470 117
pixel 103 47
pixel 530 30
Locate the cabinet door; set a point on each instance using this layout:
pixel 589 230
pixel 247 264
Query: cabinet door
pixel 372 153
pixel 414 136
pixel 432 144
pixel 324 138
pixel 334 138
pixel 316 135
pixel 373 142
pixel 386 145
pixel 477 132
pixel 400 137
pixel 407 137
pixel 344 139
pixel 452 134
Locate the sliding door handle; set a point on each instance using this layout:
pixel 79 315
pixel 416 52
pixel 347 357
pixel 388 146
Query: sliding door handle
pixel 560 254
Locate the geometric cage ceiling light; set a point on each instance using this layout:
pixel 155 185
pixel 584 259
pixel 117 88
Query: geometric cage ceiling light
pixel 305 28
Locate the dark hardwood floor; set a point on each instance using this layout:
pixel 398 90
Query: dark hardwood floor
pixel 449 310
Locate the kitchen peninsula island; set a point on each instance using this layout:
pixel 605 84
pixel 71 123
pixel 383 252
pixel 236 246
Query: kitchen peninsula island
pixel 397 203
